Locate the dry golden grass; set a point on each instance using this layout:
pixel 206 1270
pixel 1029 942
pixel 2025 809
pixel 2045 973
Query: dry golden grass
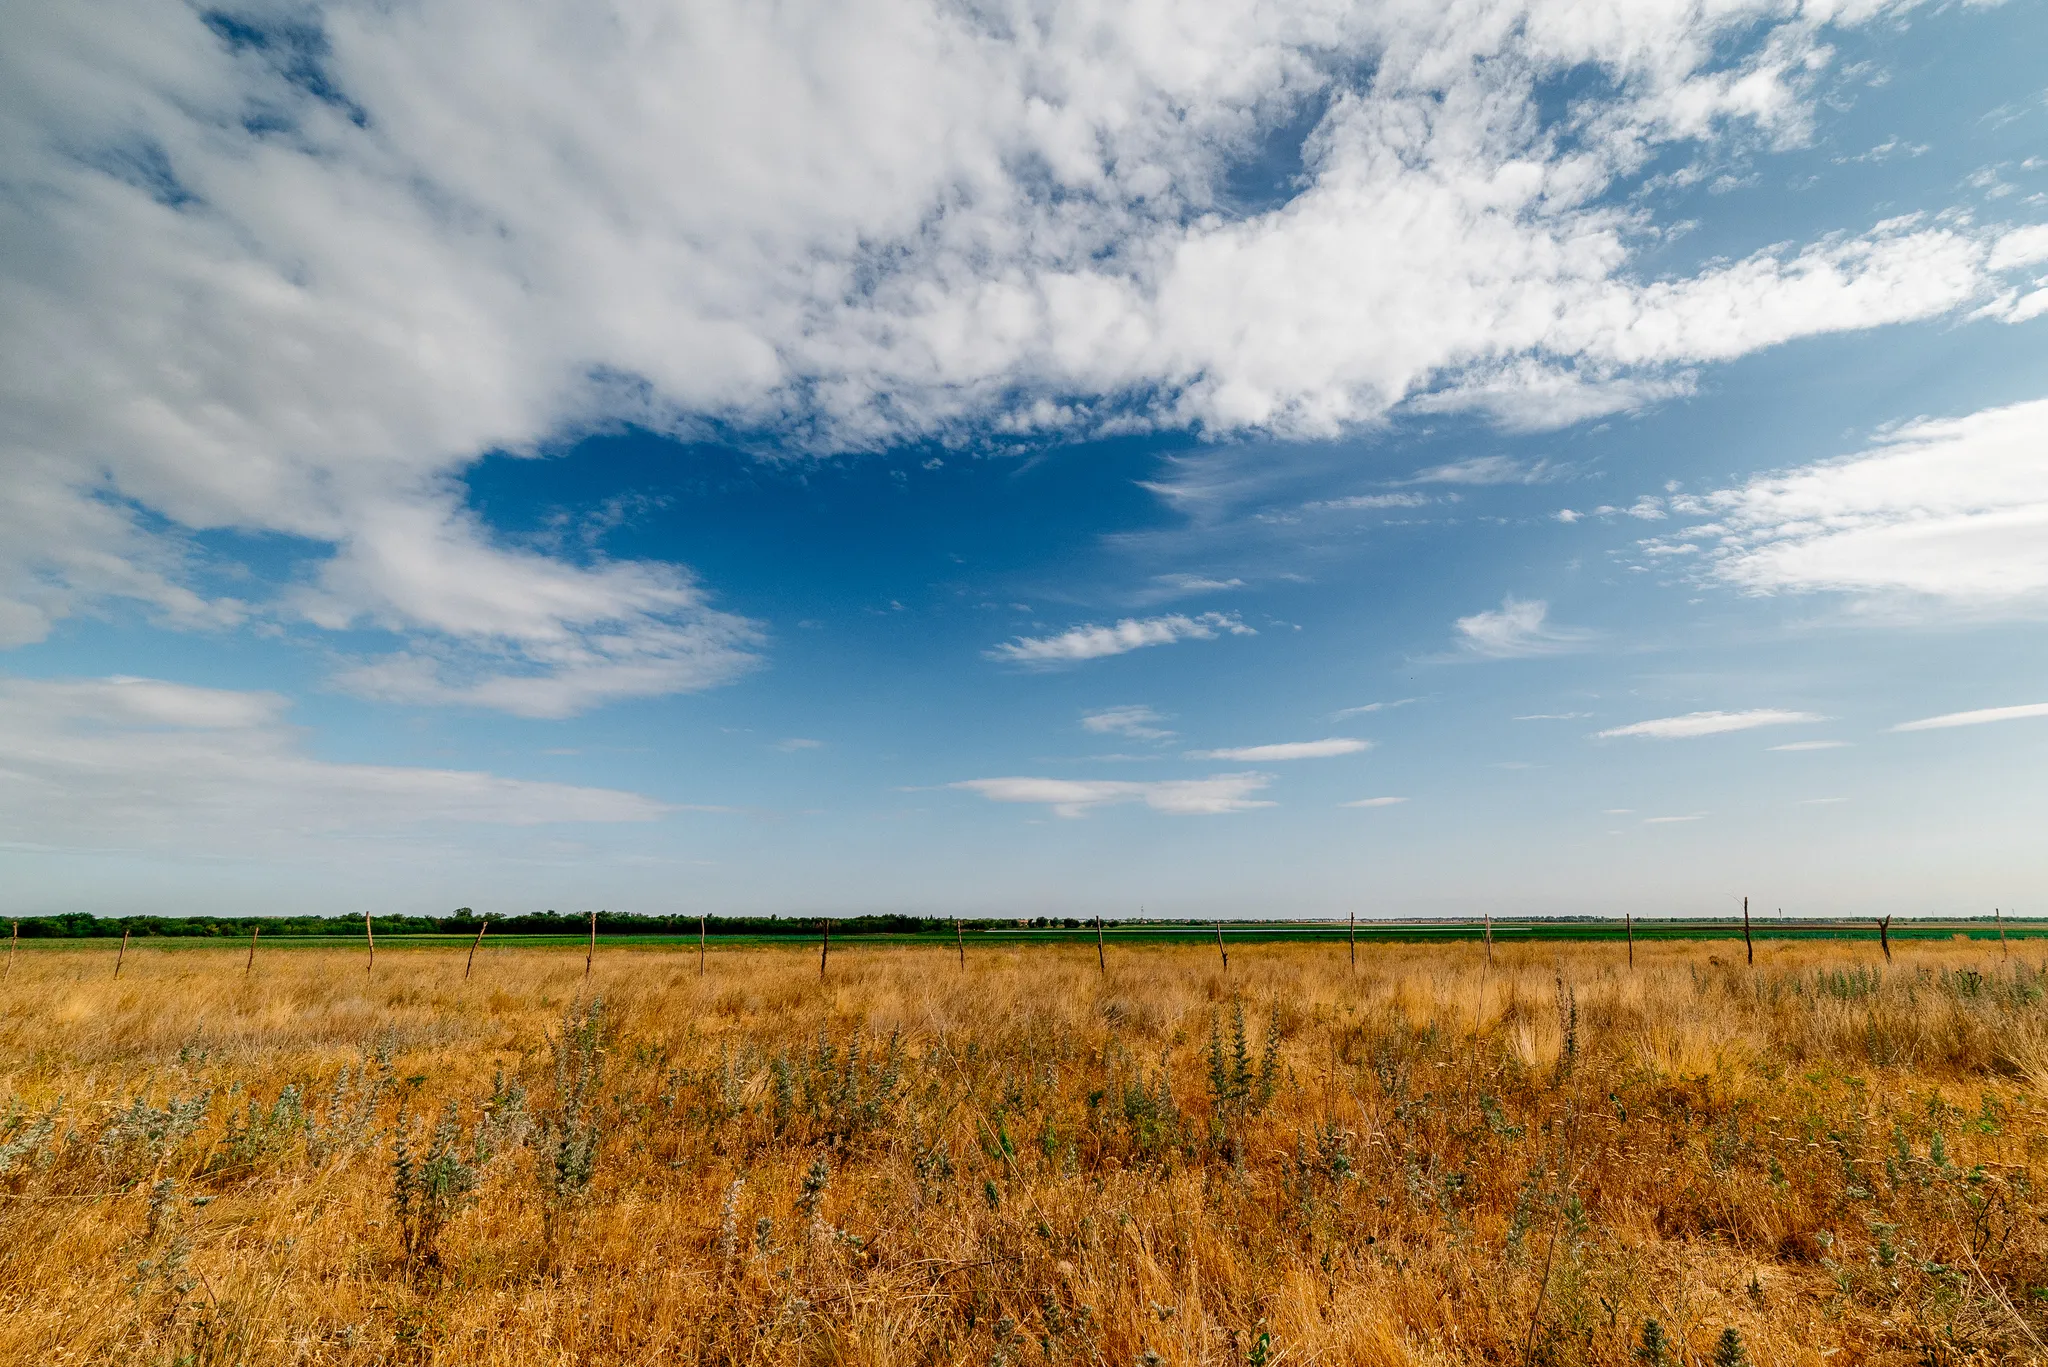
pixel 1434 1162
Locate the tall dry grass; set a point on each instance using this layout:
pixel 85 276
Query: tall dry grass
pixel 1558 1160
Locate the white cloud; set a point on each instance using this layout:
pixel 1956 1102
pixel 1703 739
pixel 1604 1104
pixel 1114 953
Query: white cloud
pixel 1132 633
pixel 1364 708
pixel 1374 802
pixel 1672 820
pixel 1488 470
pixel 1553 716
pixel 1138 722
pixel 1694 724
pixel 796 743
pixel 1976 718
pixel 1212 796
pixel 293 272
pixel 1952 508
pixel 1799 746
pixel 1364 502
pixel 1520 628
pixel 87 763
pixel 1298 749
pixel 1193 583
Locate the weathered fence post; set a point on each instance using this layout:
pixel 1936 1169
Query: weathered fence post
pixel 471 961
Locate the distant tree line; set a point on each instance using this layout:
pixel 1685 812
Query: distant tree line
pixel 463 921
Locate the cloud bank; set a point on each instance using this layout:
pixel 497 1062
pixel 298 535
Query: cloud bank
pixel 289 270
pixel 90 763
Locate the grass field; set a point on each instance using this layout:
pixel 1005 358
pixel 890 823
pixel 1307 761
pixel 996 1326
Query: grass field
pixel 1556 1158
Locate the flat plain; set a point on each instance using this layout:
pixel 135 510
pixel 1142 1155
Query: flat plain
pixel 1554 1157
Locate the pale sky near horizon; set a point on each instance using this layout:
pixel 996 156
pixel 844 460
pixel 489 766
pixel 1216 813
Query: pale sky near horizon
pixel 1234 459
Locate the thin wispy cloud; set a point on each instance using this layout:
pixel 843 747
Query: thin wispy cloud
pixel 1132 633
pixel 1365 503
pixel 1216 795
pixel 1802 745
pixel 1980 717
pixel 1137 722
pixel 1364 708
pixel 1553 716
pixel 1374 802
pixel 1695 724
pixel 1298 749
pixel 1673 820
pixel 1489 470
pixel 1518 629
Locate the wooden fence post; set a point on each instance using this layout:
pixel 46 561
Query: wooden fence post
pixel 1628 920
pixel 471 962
pixel 700 946
pixel 959 943
pixel 824 948
pixel 1101 960
pixel 123 954
pixel 1220 949
pixel 370 935
pixel 1747 946
pixel 590 955
pixel 255 933
pixel 1354 943
pixel 1489 938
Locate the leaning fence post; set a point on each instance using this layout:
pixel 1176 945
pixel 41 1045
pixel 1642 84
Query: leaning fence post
pixel 1101 960
pixel 371 936
pixel 471 963
pixel 824 947
pixel 1220 949
pixel 255 932
pixel 123 954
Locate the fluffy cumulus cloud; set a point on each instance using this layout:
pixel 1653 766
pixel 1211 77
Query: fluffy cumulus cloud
pixel 1695 724
pixel 1132 633
pixel 1212 796
pixel 1954 509
pixel 1292 749
pixel 289 268
pixel 140 763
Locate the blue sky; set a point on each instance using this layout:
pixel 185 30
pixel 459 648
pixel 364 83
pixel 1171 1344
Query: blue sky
pixel 1246 461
